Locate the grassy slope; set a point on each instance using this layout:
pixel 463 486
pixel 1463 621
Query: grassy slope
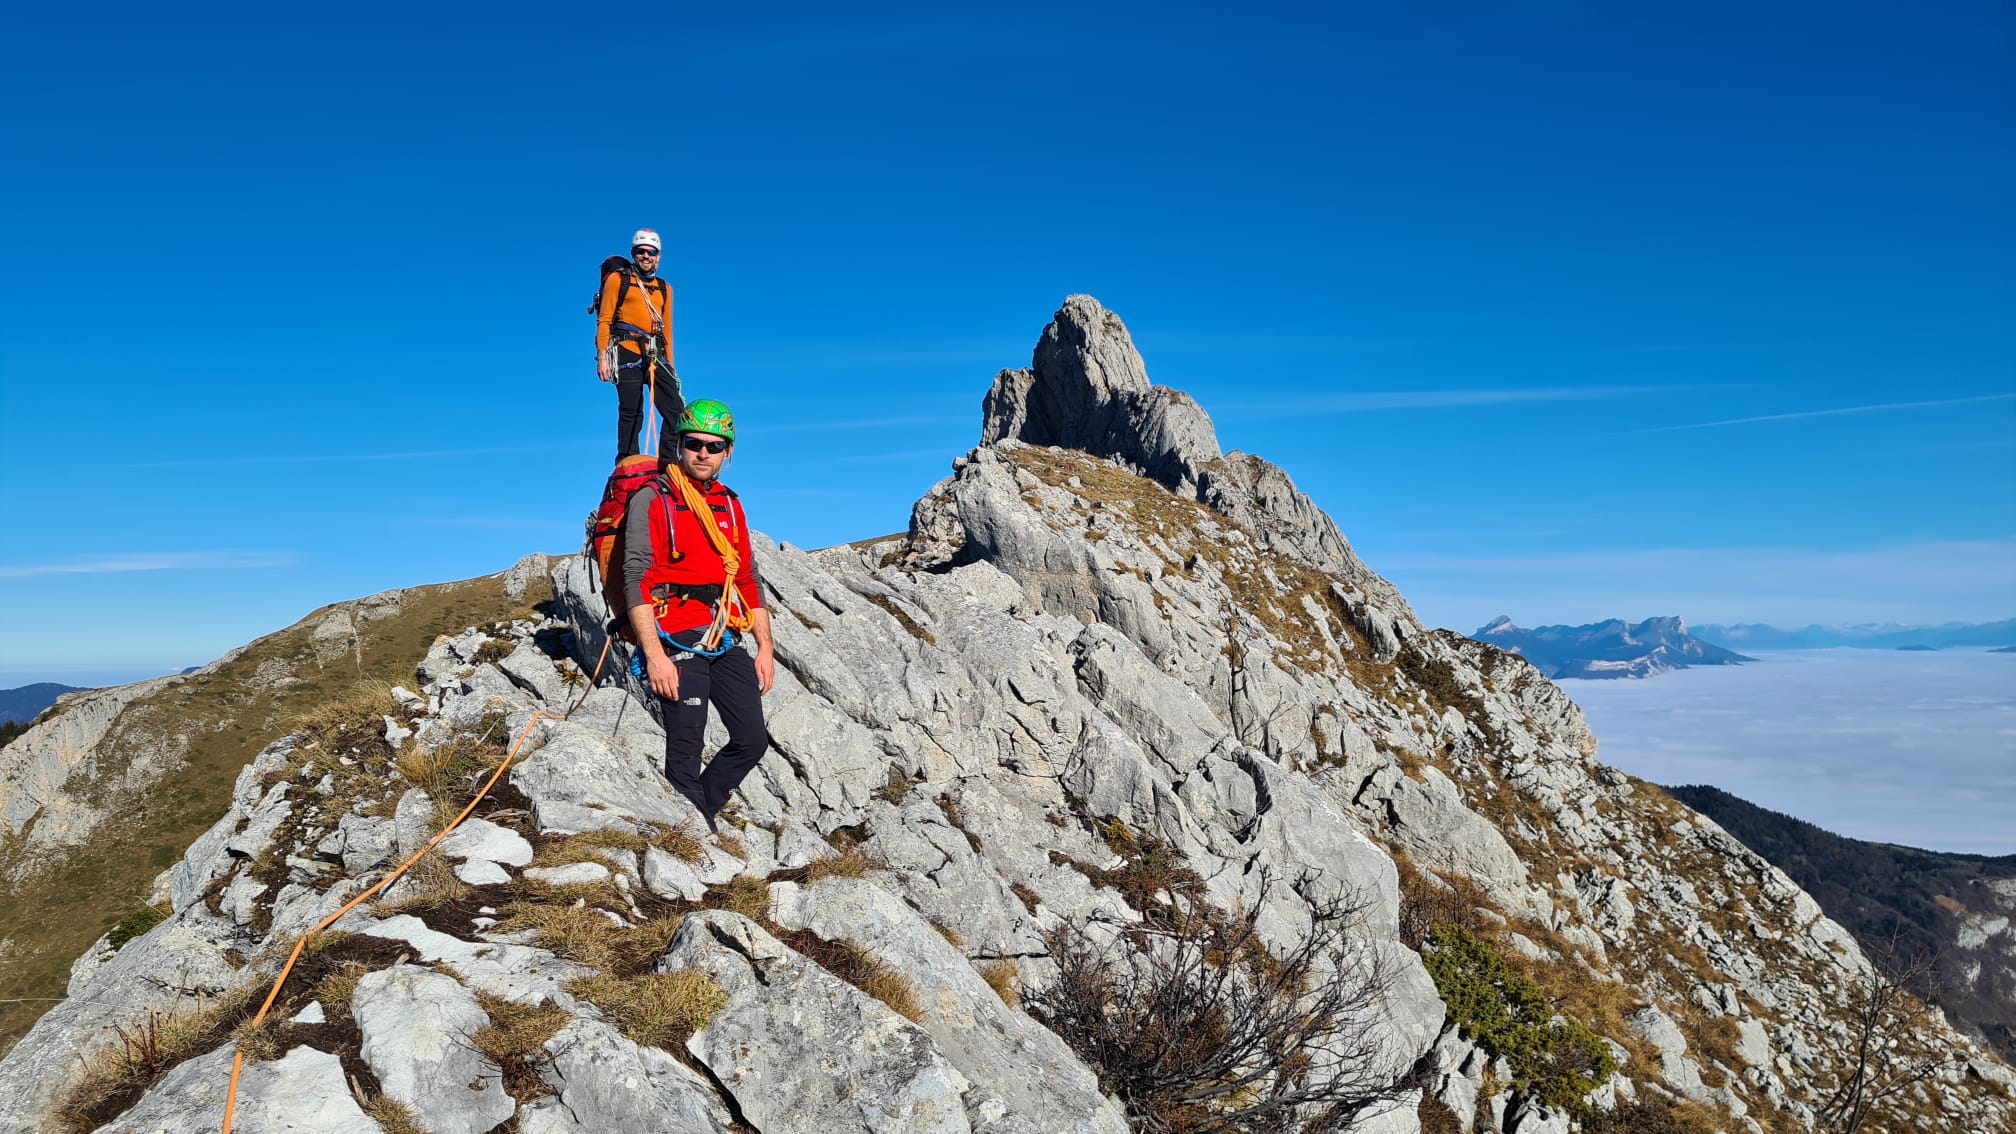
pixel 223 718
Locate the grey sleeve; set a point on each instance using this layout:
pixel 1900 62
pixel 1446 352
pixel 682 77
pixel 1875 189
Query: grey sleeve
pixel 637 547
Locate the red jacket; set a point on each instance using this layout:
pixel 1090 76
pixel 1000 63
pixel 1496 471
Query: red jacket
pixel 684 557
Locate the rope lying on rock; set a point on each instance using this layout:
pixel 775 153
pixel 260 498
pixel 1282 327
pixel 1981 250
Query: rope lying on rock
pixel 238 1062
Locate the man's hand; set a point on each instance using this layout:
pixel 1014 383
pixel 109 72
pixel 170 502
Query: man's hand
pixel 766 671
pixel 663 674
pixel 603 370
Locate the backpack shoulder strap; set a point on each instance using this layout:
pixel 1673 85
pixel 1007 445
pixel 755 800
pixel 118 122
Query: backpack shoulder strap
pixel 624 276
pixel 663 487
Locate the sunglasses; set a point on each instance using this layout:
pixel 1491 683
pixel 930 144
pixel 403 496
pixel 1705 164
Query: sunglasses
pixel 696 445
pixel 642 252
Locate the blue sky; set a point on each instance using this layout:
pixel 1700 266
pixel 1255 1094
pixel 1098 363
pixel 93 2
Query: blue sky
pixel 1562 311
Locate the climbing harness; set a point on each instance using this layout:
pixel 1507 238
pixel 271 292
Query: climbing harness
pixel 238 1061
pixel 674 645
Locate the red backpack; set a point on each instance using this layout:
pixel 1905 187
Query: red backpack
pixel 605 525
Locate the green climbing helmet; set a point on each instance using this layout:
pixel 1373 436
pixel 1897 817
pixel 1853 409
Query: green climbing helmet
pixel 708 416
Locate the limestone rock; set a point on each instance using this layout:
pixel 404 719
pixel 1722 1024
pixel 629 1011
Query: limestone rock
pixel 668 877
pixel 479 840
pixel 973 1029
pixel 800 1050
pixel 413 821
pixel 366 843
pixel 572 874
pixel 416 1026
pixel 303 1090
pixel 609 1085
pixel 531 670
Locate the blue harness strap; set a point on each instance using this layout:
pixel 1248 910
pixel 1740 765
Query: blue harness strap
pixel 674 645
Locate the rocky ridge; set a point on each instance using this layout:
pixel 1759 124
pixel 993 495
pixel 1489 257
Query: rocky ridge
pixel 1959 909
pixel 110 785
pixel 1099 632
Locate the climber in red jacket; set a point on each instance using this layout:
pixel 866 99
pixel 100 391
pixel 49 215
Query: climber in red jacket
pixel 689 579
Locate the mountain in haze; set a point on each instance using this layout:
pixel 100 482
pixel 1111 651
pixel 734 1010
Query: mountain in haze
pixel 27 702
pixel 1870 636
pixel 1957 908
pixel 1607 649
pixel 1067 780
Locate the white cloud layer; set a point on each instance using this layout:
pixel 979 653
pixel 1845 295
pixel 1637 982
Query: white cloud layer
pixel 150 561
pixel 1900 747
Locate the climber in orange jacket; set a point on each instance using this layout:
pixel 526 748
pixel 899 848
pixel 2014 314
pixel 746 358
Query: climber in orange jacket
pixel 685 606
pixel 633 343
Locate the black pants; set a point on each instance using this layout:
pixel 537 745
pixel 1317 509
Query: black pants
pixel 729 683
pixel 630 407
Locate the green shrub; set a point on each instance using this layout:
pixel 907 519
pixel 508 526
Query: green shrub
pixel 136 923
pixel 1503 1012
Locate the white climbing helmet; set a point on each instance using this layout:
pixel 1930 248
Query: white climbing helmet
pixel 646 238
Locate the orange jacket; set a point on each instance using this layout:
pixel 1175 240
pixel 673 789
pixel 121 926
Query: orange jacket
pixel 647 306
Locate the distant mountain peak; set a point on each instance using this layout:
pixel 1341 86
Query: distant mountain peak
pixel 1611 648
pixel 1867 635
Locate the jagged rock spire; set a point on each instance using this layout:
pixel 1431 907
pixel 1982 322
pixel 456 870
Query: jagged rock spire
pixel 1087 389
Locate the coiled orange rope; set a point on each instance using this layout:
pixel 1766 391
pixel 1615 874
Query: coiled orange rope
pixel 729 613
pixel 238 1062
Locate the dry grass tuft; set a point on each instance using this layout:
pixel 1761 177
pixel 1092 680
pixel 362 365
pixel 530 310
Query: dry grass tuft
pixel 338 987
pixel 895 990
pixel 1005 978
pixel 852 863
pixel 259 1041
pixel 1436 1117
pixel 515 1042
pixel 654 1009
pixel 604 893
pixel 860 968
pixel 356 709
pixel 586 935
pixel 679 842
pixel 897 789
pixel 732 845
pixel 394 1116
pixel 950 934
pixel 1428 900
pixel 742 894
pixel 430 885
pixel 582 847
pixel 117 1072
pixel 451 770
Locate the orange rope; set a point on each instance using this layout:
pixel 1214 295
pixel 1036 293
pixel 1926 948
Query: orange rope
pixel 728 613
pixel 238 1062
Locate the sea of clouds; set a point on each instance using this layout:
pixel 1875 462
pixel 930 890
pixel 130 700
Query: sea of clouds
pixel 1892 746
